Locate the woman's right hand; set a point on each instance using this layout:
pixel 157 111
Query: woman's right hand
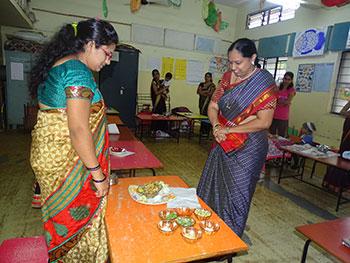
pixel 102 188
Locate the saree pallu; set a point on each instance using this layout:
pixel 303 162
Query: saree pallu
pixel 230 175
pixel 72 215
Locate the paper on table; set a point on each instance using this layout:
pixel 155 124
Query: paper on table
pixel 184 197
pixel 113 128
pixel 121 154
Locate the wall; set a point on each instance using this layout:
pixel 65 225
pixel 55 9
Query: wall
pixel 314 106
pixel 187 18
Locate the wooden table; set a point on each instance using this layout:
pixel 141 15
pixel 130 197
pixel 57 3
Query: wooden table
pixel 133 235
pixel 125 134
pixel 170 118
pixel 328 235
pixel 336 161
pixel 114 119
pixel 193 117
pixel 142 159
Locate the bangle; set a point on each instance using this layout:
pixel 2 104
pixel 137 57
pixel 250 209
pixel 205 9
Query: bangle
pixel 228 130
pixel 216 124
pixel 94 168
pixel 99 181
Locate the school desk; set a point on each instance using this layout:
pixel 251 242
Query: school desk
pixel 125 134
pixel 142 119
pixel 141 159
pixel 328 235
pixel 114 119
pixel 133 235
pixel 335 161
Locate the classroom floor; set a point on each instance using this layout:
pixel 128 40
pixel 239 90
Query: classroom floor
pixel 275 211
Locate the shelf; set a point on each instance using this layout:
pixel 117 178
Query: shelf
pixel 11 14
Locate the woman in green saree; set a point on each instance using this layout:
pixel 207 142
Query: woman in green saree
pixel 69 152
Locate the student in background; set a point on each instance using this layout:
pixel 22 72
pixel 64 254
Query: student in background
pixel 205 90
pixel 305 137
pixel 286 94
pixel 334 176
pixel 166 84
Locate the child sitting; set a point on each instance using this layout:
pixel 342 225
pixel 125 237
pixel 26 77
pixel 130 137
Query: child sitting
pixel 305 137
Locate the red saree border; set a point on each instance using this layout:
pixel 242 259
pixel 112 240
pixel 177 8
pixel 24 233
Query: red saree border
pixel 62 229
pixel 235 141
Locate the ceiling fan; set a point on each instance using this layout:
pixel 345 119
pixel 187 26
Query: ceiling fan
pixel 312 4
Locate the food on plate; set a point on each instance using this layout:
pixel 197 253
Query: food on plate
pixel 151 189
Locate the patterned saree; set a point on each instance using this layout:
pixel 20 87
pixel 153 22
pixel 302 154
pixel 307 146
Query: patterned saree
pixel 232 170
pixel 72 215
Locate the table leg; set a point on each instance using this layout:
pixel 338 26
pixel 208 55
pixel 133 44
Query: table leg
pixel 306 246
pixel 154 172
pixel 141 130
pixel 190 131
pixel 341 190
pixel 178 130
pixel 281 170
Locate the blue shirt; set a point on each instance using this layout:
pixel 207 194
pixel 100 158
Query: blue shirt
pixel 307 139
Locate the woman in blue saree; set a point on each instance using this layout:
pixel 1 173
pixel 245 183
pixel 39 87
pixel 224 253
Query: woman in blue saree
pixel 241 109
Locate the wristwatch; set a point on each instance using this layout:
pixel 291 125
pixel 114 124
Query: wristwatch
pixel 228 130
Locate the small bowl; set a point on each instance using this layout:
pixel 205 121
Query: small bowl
pixel 185 221
pixel 209 227
pixel 184 211
pixel 167 214
pixel 191 234
pixel 202 213
pixel 167 227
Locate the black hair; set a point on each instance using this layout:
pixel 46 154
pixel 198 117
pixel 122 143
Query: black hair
pixel 246 48
pixel 306 127
pixel 169 75
pixel 211 76
pixel 69 41
pixel 154 71
pixel 291 75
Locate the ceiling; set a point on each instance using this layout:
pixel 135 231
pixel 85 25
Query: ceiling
pixel 231 3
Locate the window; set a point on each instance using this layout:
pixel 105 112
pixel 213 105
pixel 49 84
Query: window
pixel 269 16
pixel 342 89
pixel 276 66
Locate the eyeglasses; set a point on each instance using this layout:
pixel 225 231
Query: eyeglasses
pixel 109 55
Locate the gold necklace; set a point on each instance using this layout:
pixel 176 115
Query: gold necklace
pixel 239 92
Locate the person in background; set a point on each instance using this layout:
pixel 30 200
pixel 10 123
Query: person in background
pixel 240 111
pixel 334 176
pixel 166 83
pixel 158 101
pixel 205 90
pixel 286 94
pixel 305 137
pixel 69 151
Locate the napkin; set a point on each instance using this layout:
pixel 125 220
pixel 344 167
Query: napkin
pixel 113 128
pixel 120 154
pixel 184 197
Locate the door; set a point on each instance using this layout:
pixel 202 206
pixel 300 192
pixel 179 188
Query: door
pixel 118 84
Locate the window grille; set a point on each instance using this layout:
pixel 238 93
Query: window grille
pixel 342 89
pixel 269 16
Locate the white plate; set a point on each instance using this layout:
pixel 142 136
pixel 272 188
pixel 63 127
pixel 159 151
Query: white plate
pixel 164 196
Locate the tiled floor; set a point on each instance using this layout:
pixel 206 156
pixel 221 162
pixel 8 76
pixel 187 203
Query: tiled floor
pixel 276 209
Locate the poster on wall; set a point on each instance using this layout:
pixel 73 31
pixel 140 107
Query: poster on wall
pixel 219 65
pixel 344 94
pixel 194 72
pixel 167 66
pixel 310 42
pixel 305 77
pixel 314 77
